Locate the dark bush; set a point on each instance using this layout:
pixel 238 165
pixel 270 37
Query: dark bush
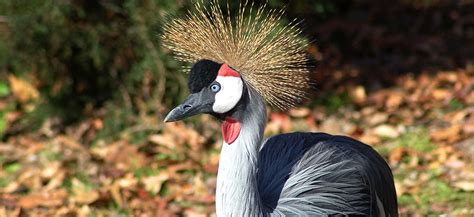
pixel 83 53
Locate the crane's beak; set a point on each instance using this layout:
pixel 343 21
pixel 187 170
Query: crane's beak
pixel 196 103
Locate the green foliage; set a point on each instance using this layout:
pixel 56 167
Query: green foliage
pixel 44 110
pixel 145 171
pixel 435 192
pixel 332 101
pixel 418 139
pixel 114 122
pixel 455 104
pixel 173 156
pixel 4 89
pixel 85 53
pixel 3 124
pixel 89 54
pixel 321 7
pixel 12 167
pixel 51 154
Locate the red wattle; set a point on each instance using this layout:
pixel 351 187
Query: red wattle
pixel 225 70
pixel 230 130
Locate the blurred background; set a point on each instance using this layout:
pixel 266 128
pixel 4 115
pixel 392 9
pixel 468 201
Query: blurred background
pixel 84 87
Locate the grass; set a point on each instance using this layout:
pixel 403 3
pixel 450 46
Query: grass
pixel 4 182
pixel 417 139
pixel 50 154
pixel 3 123
pixel 112 209
pixel 332 101
pixel 115 121
pixel 4 89
pixel 455 104
pixel 145 171
pixel 434 194
pixel 4 92
pixel 12 167
pixel 84 179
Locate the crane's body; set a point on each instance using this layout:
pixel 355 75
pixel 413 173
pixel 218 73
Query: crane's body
pixel 299 174
pixel 239 65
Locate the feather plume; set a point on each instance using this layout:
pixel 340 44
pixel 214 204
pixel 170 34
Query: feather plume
pixel 270 56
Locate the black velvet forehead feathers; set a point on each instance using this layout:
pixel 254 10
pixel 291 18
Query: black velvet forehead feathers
pixel 202 74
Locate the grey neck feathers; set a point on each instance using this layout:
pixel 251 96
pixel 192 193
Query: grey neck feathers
pixel 237 190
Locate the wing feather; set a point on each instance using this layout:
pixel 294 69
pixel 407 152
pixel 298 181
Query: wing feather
pixel 319 174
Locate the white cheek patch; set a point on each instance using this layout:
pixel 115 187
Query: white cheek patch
pixel 229 95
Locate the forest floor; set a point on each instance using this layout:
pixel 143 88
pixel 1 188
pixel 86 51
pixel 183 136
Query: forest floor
pixel 423 125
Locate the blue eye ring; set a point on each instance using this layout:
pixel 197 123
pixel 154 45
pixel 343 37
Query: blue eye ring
pixel 216 87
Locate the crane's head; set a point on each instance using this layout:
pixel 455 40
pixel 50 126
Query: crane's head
pixel 215 89
pixel 269 56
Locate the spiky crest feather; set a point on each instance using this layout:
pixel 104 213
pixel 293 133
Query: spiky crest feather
pixel 270 57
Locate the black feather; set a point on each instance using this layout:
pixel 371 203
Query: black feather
pixel 203 73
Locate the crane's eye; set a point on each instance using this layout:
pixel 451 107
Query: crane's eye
pixel 215 87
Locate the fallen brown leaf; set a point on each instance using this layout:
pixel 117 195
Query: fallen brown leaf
pixel 45 199
pixel 464 185
pixel 377 118
pixel 396 155
pixel 299 112
pixel 153 183
pixel 370 139
pixel 451 134
pixel 358 94
pixel 165 140
pixel 83 194
pixel 386 131
pixel 114 190
pixel 441 94
pixel 394 100
pixel 22 89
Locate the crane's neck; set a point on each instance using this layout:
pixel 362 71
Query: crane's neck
pixel 237 192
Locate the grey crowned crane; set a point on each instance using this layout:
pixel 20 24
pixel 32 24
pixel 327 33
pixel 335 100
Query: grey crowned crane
pixel 240 63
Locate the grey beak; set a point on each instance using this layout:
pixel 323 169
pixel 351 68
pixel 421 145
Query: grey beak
pixel 177 113
pixel 196 103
